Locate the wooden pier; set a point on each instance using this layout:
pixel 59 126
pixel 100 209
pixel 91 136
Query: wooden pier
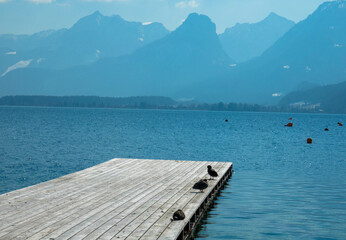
pixel 118 199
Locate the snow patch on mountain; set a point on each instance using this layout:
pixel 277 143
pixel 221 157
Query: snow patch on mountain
pixel 20 64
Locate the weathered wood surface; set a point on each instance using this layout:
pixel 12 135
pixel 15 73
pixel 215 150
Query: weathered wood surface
pixel 118 199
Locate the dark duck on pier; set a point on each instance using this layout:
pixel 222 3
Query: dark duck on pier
pixel 178 215
pixel 212 172
pixel 201 185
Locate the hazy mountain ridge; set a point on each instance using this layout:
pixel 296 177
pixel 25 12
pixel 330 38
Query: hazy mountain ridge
pixel 90 39
pixel 312 51
pixel 16 48
pixel 245 41
pixel 330 98
pixel 183 58
pixel 106 37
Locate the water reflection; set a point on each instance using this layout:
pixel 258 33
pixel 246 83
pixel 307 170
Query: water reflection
pixel 284 207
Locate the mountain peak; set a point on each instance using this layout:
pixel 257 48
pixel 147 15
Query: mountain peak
pixel 196 19
pixel 196 26
pixel 248 40
pixel 97 19
pixel 96 16
pixel 340 4
pixel 273 15
pixel 92 19
pixel 97 13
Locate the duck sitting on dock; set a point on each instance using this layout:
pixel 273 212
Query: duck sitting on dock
pixel 201 184
pixel 212 172
pixel 178 215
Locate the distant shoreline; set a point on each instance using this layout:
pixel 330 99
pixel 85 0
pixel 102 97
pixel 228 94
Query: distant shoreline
pixel 143 102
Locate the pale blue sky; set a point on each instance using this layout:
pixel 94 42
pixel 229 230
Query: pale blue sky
pixel 29 16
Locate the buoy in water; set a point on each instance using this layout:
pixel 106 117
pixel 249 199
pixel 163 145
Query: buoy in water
pixel 309 140
pixel 326 129
pixel 340 124
pixel 289 125
pixel 290 118
pixel 226 120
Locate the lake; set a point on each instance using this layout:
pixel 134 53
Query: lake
pixel 282 187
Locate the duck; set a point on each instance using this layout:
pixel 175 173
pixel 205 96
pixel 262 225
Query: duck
pixel 178 215
pixel 212 172
pixel 201 185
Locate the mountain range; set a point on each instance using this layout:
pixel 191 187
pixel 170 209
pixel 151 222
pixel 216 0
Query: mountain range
pixel 310 53
pixel 246 41
pixel 183 58
pixel 190 62
pixel 92 38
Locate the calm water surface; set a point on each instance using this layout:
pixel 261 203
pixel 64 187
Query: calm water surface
pixel 282 188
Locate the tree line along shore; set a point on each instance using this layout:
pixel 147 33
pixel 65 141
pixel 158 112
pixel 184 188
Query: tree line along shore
pixel 148 102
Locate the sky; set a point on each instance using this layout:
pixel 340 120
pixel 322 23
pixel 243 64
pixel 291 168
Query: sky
pixel 30 16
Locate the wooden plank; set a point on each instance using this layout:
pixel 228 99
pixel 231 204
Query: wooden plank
pixel 156 224
pixel 44 190
pixel 119 199
pixel 67 218
pixel 161 224
pixel 169 191
pixel 85 207
pixel 149 216
pixel 88 230
pixel 133 205
pixel 173 229
pixel 131 202
pixel 166 209
pixel 46 206
pixel 69 207
pixel 38 188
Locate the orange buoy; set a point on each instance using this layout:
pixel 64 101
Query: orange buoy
pixel 340 124
pixel 309 140
pixel 289 125
pixel 290 118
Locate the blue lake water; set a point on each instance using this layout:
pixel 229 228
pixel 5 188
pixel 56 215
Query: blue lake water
pixel 282 187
